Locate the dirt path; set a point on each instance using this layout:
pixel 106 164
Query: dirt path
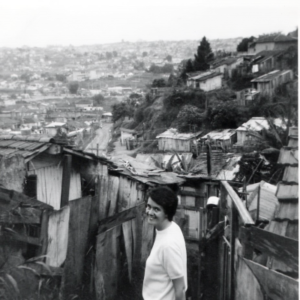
pixel 101 139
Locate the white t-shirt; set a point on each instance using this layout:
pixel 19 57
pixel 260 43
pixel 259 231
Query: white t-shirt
pixel 166 261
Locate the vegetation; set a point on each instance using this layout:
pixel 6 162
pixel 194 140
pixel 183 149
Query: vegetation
pixel 166 68
pixel 98 100
pixel 73 87
pixel 204 56
pixel 243 45
pixel 201 59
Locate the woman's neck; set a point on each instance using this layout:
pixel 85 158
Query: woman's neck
pixel 164 225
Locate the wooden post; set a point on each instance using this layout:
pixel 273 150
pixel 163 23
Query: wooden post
pixel 67 164
pixel 200 252
pixel 44 233
pixel 233 234
pixel 258 204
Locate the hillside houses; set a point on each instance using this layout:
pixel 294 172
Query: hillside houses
pixel 206 81
pixel 267 83
pixel 226 65
pixel 274 42
pixel 250 134
pixel 172 140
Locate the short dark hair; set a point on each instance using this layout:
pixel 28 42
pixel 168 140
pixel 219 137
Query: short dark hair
pixel 166 198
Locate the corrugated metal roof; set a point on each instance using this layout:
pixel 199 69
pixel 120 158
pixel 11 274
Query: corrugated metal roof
pixel 220 134
pixel 231 168
pixel 288 156
pixel 286 212
pixel 173 133
pixel 20 145
pixel 290 174
pixel 205 76
pixel 259 123
pixel 287 191
pixel 55 124
pixel 270 76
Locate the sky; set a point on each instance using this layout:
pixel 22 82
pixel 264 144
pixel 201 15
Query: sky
pixel 85 22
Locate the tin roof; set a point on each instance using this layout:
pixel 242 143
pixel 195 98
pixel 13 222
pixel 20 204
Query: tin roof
pixel 145 173
pixel 270 76
pixel 266 54
pixel 26 146
pixel 259 123
pixel 173 133
pixel 275 38
pixel 205 75
pixel 220 134
pixel 230 169
pixel 224 61
pixel 55 124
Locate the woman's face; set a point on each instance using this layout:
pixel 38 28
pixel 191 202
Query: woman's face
pixel 156 215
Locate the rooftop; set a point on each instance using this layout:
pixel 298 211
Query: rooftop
pixel 276 38
pixel 219 134
pixel 270 76
pixel 173 133
pixel 205 75
pixel 259 123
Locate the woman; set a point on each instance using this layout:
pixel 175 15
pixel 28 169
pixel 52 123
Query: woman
pixel 166 273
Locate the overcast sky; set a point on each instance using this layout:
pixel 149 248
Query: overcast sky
pixel 81 22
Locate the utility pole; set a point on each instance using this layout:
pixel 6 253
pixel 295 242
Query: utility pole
pixel 97 149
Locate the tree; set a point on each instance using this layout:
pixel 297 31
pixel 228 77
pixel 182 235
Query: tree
pixel 98 99
pixel 189 118
pixel 226 115
pixel 169 58
pixel 61 77
pixel 204 56
pixel 243 45
pixel 73 87
pixel 159 82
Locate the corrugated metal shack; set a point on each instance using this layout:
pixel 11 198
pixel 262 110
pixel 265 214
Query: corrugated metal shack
pixel 57 229
pixel 173 140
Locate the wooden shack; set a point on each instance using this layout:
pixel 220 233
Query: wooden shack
pixel 173 140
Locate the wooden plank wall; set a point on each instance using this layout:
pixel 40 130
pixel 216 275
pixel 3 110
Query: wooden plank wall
pixel 276 285
pixel 124 198
pixel 242 278
pixel 77 244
